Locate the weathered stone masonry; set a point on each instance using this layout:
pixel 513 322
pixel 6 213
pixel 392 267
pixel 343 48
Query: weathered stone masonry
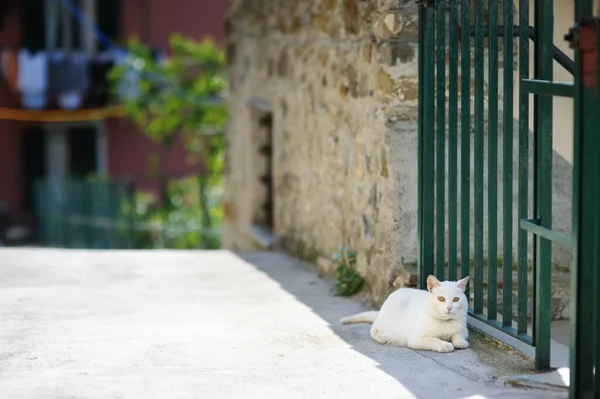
pixel 340 78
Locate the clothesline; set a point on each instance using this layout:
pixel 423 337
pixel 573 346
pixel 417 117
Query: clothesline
pixel 85 22
pixel 42 68
pixel 80 115
pixel 69 81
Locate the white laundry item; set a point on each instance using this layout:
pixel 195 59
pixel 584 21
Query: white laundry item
pixel 32 79
pixel 69 79
pixel 34 100
pixel 33 71
pixel 70 100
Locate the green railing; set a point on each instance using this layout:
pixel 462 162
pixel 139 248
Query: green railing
pixel 105 215
pixel 463 46
pixel 82 214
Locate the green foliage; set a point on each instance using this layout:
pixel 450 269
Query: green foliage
pixel 175 96
pixel 177 99
pixel 189 221
pixel 348 281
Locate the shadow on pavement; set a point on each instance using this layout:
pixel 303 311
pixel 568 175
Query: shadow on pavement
pixel 461 374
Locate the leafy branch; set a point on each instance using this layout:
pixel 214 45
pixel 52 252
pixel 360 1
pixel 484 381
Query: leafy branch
pixel 176 98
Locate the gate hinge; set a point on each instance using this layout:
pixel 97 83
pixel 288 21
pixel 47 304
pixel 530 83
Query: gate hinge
pixel 584 37
pixel 426 3
pixel 574 34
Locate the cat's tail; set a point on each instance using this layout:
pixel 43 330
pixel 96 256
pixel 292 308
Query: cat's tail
pixel 365 317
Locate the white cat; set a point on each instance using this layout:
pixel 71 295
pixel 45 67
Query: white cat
pixel 434 320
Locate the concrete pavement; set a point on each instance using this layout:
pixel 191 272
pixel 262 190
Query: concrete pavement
pixel 167 324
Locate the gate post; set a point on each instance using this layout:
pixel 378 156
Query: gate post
pixel 585 298
pixel 426 134
pixel 542 252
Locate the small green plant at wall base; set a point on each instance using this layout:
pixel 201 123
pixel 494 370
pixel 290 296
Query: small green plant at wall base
pixel 348 281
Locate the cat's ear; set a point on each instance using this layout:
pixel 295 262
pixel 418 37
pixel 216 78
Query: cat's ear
pixel 462 284
pixel 432 282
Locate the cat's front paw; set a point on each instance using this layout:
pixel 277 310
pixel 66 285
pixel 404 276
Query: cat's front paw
pixel 377 337
pixel 460 343
pixel 445 347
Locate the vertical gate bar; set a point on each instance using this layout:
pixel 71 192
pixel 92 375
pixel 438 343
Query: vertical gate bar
pixel 87 211
pixel 60 214
pixel 131 228
pixel 579 381
pixel 478 153
pixel 74 202
pixel 452 140
pixel 544 18
pixel 595 247
pixel 112 215
pixel 428 149
pixel 493 161
pixel 582 311
pixel 57 213
pixel 77 206
pixel 45 222
pixel 84 209
pixel 594 142
pixel 577 307
pixel 66 222
pixel 39 212
pixel 48 214
pixel 421 96
pixel 53 212
pixel 70 206
pixel 465 141
pixel 523 167
pixel 66 213
pixel 507 165
pixel 440 169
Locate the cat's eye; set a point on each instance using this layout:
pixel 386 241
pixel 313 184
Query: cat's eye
pixel 456 299
pixel 441 298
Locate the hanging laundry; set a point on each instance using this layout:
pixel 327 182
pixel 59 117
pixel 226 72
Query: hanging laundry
pixel 10 69
pixel 56 60
pixel 100 65
pixel 69 77
pixel 33 78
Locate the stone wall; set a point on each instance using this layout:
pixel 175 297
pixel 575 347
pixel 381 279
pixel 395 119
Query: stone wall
pixel 340 78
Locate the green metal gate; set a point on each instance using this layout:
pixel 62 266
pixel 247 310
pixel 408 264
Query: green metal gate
pixel 585 295
pixel 467 55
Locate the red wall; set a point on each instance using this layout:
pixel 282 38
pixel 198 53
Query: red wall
pixel 10 132
pixel 10 166
pixel 192 18
pixel 130 153
pixel 128 150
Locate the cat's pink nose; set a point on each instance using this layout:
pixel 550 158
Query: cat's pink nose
pixel 449 308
